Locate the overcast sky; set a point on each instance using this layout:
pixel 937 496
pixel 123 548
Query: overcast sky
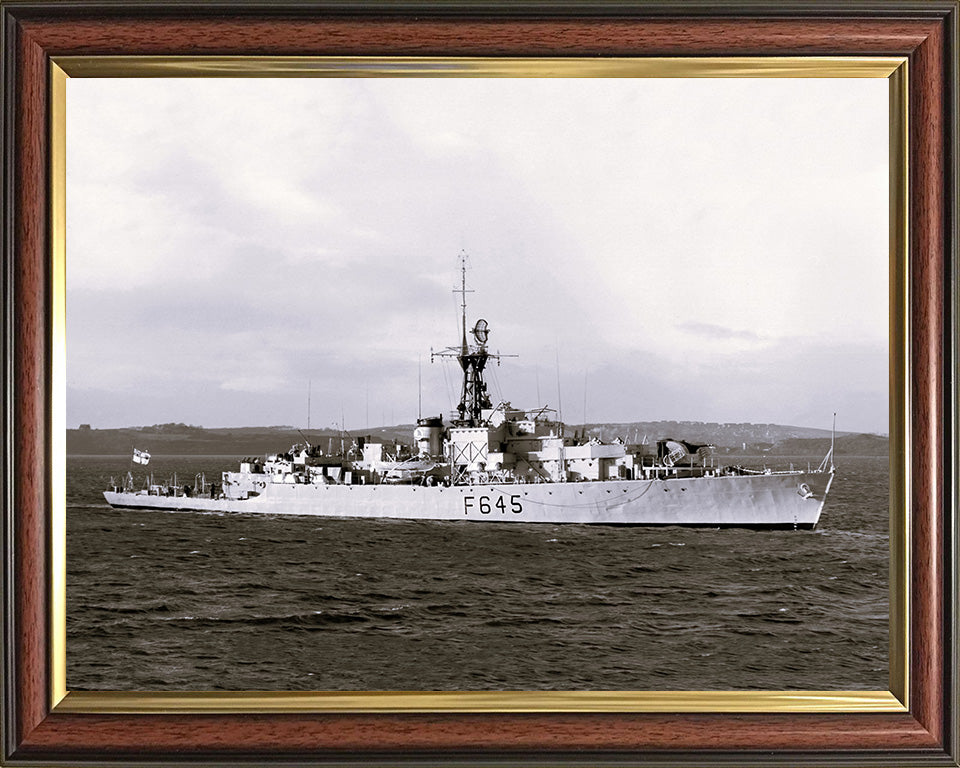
pixel 708 250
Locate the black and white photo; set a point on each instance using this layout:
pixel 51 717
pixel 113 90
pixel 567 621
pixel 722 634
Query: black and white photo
pixel 478 383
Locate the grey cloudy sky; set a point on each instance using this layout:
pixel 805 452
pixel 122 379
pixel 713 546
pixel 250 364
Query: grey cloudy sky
pixel 711 250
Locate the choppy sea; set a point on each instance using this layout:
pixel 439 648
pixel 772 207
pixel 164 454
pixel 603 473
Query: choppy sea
pixel 194 601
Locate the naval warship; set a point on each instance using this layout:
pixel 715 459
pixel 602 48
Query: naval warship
pixel 495 462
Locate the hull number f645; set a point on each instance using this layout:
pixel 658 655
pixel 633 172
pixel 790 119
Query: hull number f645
pixel 485 505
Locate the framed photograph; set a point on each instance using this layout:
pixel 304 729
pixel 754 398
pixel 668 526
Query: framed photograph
pixel 560 303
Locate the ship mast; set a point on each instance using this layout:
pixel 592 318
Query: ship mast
pixel 463 301
pixel 472 358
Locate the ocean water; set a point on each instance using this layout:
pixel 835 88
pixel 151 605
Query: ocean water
pixel 192 601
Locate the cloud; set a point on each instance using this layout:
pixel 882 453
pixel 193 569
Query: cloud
pixel 231 240
pixel 253 384
pixel 711 331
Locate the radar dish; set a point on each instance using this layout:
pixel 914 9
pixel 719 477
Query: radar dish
pixel 481 331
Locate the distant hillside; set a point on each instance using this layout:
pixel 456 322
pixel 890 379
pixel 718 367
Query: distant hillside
pixel 183 439
pixel 847 445
pixel 750 436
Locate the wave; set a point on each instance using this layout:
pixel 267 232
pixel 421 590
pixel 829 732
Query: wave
pixel 290 620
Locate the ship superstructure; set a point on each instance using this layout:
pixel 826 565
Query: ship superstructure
pixel 498 462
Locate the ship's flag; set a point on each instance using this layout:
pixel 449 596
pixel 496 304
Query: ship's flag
pixel 141 457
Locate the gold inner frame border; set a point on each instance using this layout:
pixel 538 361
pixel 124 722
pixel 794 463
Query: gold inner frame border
pixel 894 69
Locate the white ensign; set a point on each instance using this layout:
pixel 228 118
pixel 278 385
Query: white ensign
pixel 141 457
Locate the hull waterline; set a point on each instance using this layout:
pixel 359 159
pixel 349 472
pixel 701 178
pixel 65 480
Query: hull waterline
pixel 785 500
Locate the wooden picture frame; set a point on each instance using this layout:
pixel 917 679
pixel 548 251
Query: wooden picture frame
pixel 40 729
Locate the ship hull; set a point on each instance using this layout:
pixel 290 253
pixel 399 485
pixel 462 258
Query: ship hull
pixel 784 499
